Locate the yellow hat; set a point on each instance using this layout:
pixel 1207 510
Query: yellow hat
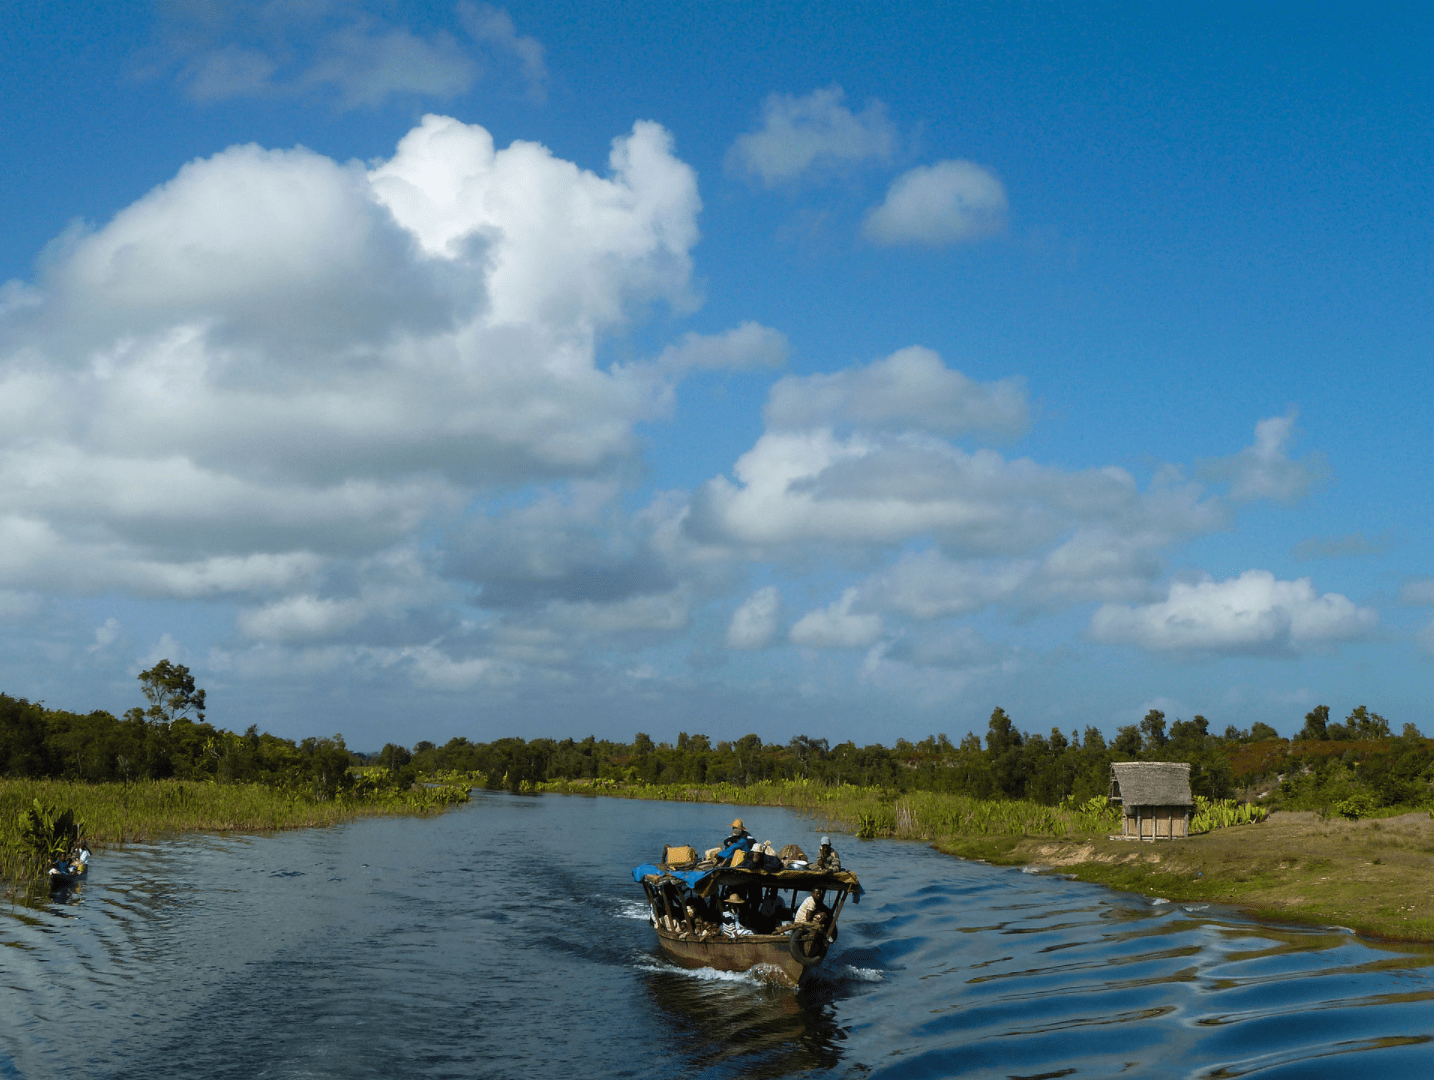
pixel 737 823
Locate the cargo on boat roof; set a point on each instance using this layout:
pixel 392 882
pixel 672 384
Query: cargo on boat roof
pixel 737 909
pixel 708 881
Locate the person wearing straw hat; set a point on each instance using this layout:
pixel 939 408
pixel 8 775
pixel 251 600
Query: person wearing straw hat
pixel 739 832
pixel 731 917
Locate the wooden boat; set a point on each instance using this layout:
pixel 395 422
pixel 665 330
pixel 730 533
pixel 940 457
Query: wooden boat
pixel 784 954
pixel 63 877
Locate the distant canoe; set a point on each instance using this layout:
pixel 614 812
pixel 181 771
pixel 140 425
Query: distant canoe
pixel 64 879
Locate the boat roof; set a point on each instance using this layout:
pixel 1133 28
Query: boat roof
pixel 705 881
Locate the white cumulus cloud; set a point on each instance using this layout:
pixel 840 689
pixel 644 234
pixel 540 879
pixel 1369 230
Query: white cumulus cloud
pixel 754 623
pixel 910 389
pixel 811 132
pixel 949 202
pixel 837 626
pixel 274 359
pixel 1264 470
pixel 1253 613
pixel 749 345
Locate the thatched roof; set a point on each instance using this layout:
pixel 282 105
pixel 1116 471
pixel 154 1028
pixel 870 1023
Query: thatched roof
pixel 1151 783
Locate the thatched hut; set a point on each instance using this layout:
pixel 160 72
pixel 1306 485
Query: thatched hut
pixel 1155 797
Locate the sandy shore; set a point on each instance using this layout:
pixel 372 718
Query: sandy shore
pixel 1374 876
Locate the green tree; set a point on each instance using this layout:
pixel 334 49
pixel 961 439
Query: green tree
pixel 1363 724
pixel 1127 743
pixel 171 693
pixel 1152 728
pixel 1316 724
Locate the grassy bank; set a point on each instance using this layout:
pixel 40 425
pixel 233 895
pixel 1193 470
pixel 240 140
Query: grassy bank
pixel 1374 875
pixel 871 811
pixel 119 813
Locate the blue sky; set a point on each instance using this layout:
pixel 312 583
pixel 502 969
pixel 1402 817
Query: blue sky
pixel 413 370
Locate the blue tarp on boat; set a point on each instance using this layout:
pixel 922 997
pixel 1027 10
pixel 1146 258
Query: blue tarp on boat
pixel 692 878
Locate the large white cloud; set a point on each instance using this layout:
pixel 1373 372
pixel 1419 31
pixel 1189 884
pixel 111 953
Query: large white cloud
pixel 1252 613
pixel 816 486
pixel 935 205
pixel 275 356
pixel 815 131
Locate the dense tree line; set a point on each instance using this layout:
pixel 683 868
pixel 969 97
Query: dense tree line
pixel 160 742
pixel 1010 764
pixel 170 738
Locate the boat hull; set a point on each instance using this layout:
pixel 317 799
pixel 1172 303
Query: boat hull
pixel 768 954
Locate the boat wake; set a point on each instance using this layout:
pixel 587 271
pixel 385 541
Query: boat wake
pixel 656 967
pixel 633 909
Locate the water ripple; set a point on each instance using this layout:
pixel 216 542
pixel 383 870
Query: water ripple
pixel 506 940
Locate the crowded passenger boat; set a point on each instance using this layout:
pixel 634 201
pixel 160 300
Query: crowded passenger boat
pixel 744 906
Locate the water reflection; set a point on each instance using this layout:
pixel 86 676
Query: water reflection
pixel 735 1024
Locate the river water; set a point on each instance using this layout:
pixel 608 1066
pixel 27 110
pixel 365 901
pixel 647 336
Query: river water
pixel 507 939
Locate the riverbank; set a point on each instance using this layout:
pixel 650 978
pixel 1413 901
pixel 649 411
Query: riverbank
pixel 144 810
pixel 1373 876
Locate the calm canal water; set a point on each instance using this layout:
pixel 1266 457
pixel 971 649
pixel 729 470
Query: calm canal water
pixel 506 939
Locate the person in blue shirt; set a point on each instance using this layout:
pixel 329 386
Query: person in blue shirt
pixel 739 840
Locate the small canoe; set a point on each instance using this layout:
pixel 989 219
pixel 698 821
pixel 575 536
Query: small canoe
pixel 61 877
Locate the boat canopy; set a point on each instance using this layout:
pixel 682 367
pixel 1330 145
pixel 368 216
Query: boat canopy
pixel 706 881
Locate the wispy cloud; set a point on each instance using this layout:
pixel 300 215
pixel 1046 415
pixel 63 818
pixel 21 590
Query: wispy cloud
pixel 1351 545
pixel 348 51
pixel 815 132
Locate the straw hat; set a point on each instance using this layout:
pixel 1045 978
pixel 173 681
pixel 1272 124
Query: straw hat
pixel 737 823
pixel 735 898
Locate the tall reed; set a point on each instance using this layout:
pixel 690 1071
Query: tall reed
pixel 146 809
pixel 871 811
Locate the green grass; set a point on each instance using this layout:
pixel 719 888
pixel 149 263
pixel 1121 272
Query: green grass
pixel 123 813
pixel 871 812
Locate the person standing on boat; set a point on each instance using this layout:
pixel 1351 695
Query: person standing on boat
pixel 827 858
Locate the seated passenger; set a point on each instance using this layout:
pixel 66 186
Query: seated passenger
pixel 738 837
pixel 732 924
pixel 813 910
pixel 827 859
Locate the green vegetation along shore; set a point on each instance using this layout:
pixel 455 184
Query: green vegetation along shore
pixel 1341 791
pixel 118 813
pixel 1374 875
pixel 163 770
